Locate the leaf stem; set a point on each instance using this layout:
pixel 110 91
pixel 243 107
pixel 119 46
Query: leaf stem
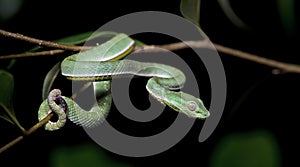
pixel 12 117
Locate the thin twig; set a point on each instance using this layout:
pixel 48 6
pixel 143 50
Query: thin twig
pixel 31 54
pixel 286 67
pixel 82 89
pixel 173 46
pixel 42 42
pixel 39 124
pixel 26 133
pixel 10 144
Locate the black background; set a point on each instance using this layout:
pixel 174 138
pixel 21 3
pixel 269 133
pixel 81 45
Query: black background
pixel 272 104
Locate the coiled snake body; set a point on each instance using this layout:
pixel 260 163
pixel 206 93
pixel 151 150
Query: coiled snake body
pixel 102 63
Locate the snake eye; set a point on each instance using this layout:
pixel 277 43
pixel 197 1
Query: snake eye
pixel 192 106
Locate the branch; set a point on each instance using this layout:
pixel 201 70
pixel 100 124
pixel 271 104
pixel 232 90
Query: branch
pixel 174 46
pixel 31 54
pixel 287 67
pixel 39 124
pixel 26 133
pixel 42 42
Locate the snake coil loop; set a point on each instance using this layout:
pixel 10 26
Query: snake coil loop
pixel 51 106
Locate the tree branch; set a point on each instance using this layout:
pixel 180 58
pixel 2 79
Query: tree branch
pixel 42 42
pixel 60 48
pixel 287 67
pixel 32 54
pixel 26 133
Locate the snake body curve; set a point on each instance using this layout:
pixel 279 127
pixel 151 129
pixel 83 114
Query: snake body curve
pixel 101 64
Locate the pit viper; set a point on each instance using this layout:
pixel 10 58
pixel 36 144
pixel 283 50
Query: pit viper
pixel 99 65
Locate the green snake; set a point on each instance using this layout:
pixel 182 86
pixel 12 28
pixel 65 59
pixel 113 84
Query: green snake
pixel 99 65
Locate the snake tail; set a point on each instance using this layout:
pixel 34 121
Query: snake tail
pixel 49 105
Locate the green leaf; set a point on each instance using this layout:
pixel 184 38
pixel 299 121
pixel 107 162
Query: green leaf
pixel 83 37
pixel 6 89
pixel 227 9
pixel 11 64
pixel 252 149
pixel 74 39
pixel 190 9
pixel 287 15
pixel 49 80
pixel 82 155
pixel 6 93
pixel 80 38
pixel 4 114
pixel 139 43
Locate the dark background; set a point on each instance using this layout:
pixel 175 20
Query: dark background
pixel 256 98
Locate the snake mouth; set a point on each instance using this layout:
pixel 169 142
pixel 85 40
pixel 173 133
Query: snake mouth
pixel 204 116
pixel 207 114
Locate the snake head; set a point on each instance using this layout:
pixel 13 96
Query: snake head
pixel 189 105
pixel 196 109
